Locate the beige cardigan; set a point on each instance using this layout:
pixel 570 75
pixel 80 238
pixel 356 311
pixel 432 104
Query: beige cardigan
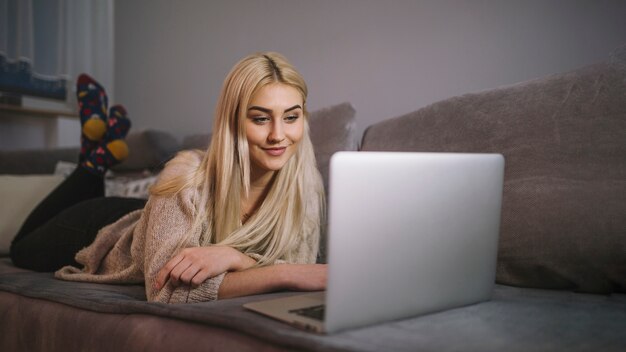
pixel 133 249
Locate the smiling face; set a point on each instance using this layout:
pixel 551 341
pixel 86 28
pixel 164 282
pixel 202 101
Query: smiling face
pixel 274 127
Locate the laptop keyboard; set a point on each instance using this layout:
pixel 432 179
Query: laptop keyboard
pixel 314 312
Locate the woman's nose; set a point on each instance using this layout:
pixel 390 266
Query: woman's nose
pixel 277 133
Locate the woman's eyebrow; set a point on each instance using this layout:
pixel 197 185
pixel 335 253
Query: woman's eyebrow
pixel 293 108
pixel 265 110
pixel 269 111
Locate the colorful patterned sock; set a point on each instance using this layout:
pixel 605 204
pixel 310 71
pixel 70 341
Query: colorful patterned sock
pixel 118 124
pixel 112 149
pixel 92 103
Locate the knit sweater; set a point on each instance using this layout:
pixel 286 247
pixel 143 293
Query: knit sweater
pixel 133 249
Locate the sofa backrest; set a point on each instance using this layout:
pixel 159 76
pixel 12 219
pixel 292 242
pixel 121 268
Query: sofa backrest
pixel 564 140
pixel 333 129
pixel 36 161
pixel 149 150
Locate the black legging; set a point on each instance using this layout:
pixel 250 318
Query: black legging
pixel 66 221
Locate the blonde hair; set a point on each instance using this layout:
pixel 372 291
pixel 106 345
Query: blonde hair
pixel 223 176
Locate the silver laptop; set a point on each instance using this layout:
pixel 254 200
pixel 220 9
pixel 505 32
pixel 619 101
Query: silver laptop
pixel 409 234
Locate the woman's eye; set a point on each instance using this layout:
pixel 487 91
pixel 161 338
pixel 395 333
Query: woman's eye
pixel 259 120
pixel 291 118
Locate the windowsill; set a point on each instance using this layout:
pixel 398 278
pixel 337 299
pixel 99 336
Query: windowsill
pixel 36 111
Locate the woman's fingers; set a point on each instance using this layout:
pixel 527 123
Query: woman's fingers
pixel 189 274
pixel 164 273
pixel 192 275
pixel 200 277
pixel 178 270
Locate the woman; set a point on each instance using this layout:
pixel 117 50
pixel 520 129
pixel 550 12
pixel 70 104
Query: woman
pixel 241 219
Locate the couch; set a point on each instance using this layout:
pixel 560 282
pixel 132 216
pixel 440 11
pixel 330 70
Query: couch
pixel 561 274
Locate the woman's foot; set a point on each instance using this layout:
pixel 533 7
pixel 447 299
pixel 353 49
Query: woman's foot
pixel 112 149
pixel 92 103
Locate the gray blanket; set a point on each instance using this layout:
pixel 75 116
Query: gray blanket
pixel 515 319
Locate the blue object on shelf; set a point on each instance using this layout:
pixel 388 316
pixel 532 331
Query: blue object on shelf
pixel 17 77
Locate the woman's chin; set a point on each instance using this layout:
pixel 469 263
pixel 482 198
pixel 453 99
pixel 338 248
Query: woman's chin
pixel 272 167
pixel 267 166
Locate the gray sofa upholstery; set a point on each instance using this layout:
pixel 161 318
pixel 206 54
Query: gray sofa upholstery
pixel 564 140
pixel 562 255
pixel 150 149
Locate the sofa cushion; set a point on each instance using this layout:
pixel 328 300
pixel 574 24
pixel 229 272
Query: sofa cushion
pixel 135 186
pixel 196 141
pixel 20 194
pixel 514 319
pixel 564 140
pixel 149 149
pixel 333 129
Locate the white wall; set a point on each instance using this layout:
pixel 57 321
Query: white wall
pixel 386 57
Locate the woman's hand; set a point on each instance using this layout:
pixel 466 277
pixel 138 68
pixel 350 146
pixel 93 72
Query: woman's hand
pixel 305 277
pixel 193 266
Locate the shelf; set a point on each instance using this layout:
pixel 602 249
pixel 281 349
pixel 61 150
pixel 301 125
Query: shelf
pixel 46 113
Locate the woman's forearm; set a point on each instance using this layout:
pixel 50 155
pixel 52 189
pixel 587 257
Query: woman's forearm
pixel 298 277
pixel 252 281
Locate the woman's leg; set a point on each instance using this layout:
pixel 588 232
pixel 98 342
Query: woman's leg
pixel 102 146
pixel 53 245
pixel 79 186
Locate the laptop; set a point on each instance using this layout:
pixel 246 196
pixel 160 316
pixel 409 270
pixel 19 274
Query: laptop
pixel 408 234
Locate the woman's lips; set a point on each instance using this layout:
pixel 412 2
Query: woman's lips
pixel 275 151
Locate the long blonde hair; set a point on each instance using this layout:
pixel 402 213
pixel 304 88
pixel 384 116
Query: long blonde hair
pixel 223 176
